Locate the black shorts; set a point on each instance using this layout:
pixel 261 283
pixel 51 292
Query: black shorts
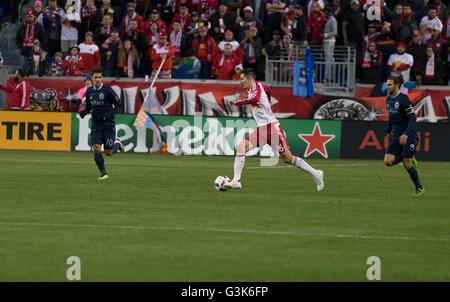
pixel 407 150
pixel 103 133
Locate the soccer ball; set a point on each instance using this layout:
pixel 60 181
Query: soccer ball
pixel 221 182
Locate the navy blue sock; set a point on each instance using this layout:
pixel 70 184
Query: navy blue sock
pixel 398 158
pixel 116 147
pixel 415 177
pixel 100 162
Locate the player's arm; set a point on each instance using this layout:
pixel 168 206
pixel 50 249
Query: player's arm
pixel 389 128
pixel 409 110
pixel 88 106
pixel 115 100
pixel 252 100
pixel 7 89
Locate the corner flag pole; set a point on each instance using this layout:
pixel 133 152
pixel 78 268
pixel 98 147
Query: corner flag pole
pixel 157 73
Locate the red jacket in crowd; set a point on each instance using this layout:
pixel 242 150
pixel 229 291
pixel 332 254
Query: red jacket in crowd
pixel 205 49
pixel 71 67
pixel 157 51
pixel 183 20
pixel 90 56
pixel 20 95
pixel 126 22
pixel 316 23
pixel 225 65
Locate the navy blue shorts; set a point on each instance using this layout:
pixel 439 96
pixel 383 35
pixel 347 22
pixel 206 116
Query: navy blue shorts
pixel 103 133
pixel 407 150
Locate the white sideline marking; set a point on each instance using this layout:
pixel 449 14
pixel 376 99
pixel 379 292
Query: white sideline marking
pixel 182 229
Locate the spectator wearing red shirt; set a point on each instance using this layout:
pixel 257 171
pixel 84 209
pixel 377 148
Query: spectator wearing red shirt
pixel 205 50
pixel 224 63
pixel 315 25
pixel 436 41
pixel 131 7
pixel 229 39
pixel 155 18
pixel 20 92
pixel 162 50
pixel 72 62
pixel 90 53
pixel 182 16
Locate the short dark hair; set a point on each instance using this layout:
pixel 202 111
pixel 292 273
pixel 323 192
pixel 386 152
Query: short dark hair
pixel 97 70
pixel 21 72
pixel 249 73
pixel 398 80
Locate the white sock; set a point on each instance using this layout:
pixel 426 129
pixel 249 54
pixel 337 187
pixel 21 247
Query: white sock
pixel 303 165
pixel 239 162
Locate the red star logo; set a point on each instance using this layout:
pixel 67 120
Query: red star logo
pixel 316 141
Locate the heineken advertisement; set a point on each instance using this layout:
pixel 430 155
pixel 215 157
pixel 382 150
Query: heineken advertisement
pixel 197 135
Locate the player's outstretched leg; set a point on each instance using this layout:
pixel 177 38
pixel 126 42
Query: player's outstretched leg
pixel 100 161
pixel 239 162
pixel 408 164
pixel 303 165
pixel 118 146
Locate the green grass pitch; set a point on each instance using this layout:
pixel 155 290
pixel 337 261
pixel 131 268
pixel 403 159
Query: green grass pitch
pixel 159 218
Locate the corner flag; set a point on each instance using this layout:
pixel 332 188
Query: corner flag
pixel 145 118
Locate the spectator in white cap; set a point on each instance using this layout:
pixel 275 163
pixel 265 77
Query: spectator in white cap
pixel 237 72
pixel 247 21
pixel 1 61
pixel 318 2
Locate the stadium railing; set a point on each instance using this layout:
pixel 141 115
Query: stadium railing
pixel 330 78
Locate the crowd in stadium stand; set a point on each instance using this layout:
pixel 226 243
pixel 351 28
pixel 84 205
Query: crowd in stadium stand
pixel 216 39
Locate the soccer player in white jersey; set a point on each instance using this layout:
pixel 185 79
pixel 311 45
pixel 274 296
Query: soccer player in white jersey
pixel 268 132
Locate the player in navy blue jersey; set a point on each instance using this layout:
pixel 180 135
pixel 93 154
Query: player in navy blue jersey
pixel 104 103
pixel 402 131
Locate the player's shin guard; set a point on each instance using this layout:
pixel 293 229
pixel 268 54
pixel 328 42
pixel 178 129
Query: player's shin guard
pixel 239 162
pixel 414 177
pixel 303 165
pixel 100 162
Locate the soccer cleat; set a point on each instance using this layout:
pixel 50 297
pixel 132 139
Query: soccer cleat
pixel 122 148
pixel 419 191
pixel 103 177
pixel 319 180
pixel 414 162
pixel 235 184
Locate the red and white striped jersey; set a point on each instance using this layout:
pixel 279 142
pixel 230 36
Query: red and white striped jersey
pixel 258 98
